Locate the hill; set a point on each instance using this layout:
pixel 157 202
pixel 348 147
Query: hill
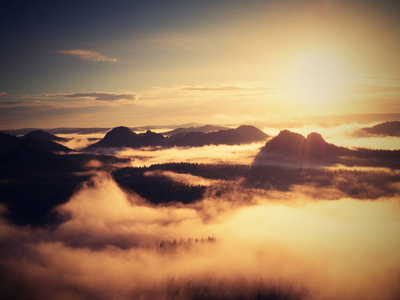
pixel 205 129
pixel 41 135
pixel 244 134
pixel 293 149
pixel 384 129
pixel 10 143
pixel 124 137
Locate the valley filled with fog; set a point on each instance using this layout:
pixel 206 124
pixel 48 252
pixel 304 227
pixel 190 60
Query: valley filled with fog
pixel 276 215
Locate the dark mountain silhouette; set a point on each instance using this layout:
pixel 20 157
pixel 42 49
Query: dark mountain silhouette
pixel 35 180
pixel 290 147
pixel 117 137
pixel 124 137
pixel 38 155
pixel 48 146
pixel 296 146
pixel 384 129
pixel 293 149
pixel 205 128
pixel 8 143
pixel 41 135
pixel 11 143
pixel 244 134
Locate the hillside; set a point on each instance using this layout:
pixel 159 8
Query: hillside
pixel 384 129
pixel 124 137
pixel 293 149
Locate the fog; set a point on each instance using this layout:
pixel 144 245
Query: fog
pixel 185 178
pixel 116 245
pixel 236 154
pixel 80 141
pixel 340 134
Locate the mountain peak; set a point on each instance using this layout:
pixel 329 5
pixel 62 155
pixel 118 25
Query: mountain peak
pixel 41 135
pixel 315 137
pixel 289 147
pixel 390 128
pixel 117 137
pixel 124 137
pixel 120 130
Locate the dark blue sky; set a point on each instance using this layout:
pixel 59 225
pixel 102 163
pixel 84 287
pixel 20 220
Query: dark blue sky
pixel 32 31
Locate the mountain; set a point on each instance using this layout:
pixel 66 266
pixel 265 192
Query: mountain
pixel 244 134
pixel 8 143
pixel 205 128
pixel 41 135
pixel 34 179
pixel 124 137
pixel 38 155
pixel 11 143
pixel 293 149
pixel 384 129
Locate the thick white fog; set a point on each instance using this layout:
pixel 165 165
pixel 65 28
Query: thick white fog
pixel 116 245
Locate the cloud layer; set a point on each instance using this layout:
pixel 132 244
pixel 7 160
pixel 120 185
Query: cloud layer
pixel 101 96
pixel 281 245
pixel 88 55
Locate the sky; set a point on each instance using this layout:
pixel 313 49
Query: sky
pixel 132 63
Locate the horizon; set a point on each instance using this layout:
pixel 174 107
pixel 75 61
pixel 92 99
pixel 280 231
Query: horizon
pixel 317 121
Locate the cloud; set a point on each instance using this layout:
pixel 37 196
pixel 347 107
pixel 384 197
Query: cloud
pixel 287 248
pixel 380 83
pixel 382 79
pixel 179 177
pixel 3 93
pixel 78 141
pixel 240 154
pixel 233 87
pixel 101 96
pixel 220 88
pixel 88 55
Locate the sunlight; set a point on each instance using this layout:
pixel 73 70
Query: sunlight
pixel 318 76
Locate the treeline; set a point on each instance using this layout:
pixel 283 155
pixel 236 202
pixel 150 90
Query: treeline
pixel 30 193
pixel 171 245
pixel 157 189
pixel 368 184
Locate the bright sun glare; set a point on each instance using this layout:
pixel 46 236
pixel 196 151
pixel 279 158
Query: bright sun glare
pixel 317 77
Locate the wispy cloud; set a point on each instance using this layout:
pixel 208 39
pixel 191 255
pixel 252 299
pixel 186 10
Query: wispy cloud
pixel 101 96
pixel 88 55
pixel 231 87
pixel 383 81
pixel 203 88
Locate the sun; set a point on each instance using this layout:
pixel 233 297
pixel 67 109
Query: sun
pixel 318 76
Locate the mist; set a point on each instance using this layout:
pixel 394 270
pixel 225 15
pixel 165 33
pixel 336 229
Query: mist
pixel 243 154
pixel 115 244
pixel 80 141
